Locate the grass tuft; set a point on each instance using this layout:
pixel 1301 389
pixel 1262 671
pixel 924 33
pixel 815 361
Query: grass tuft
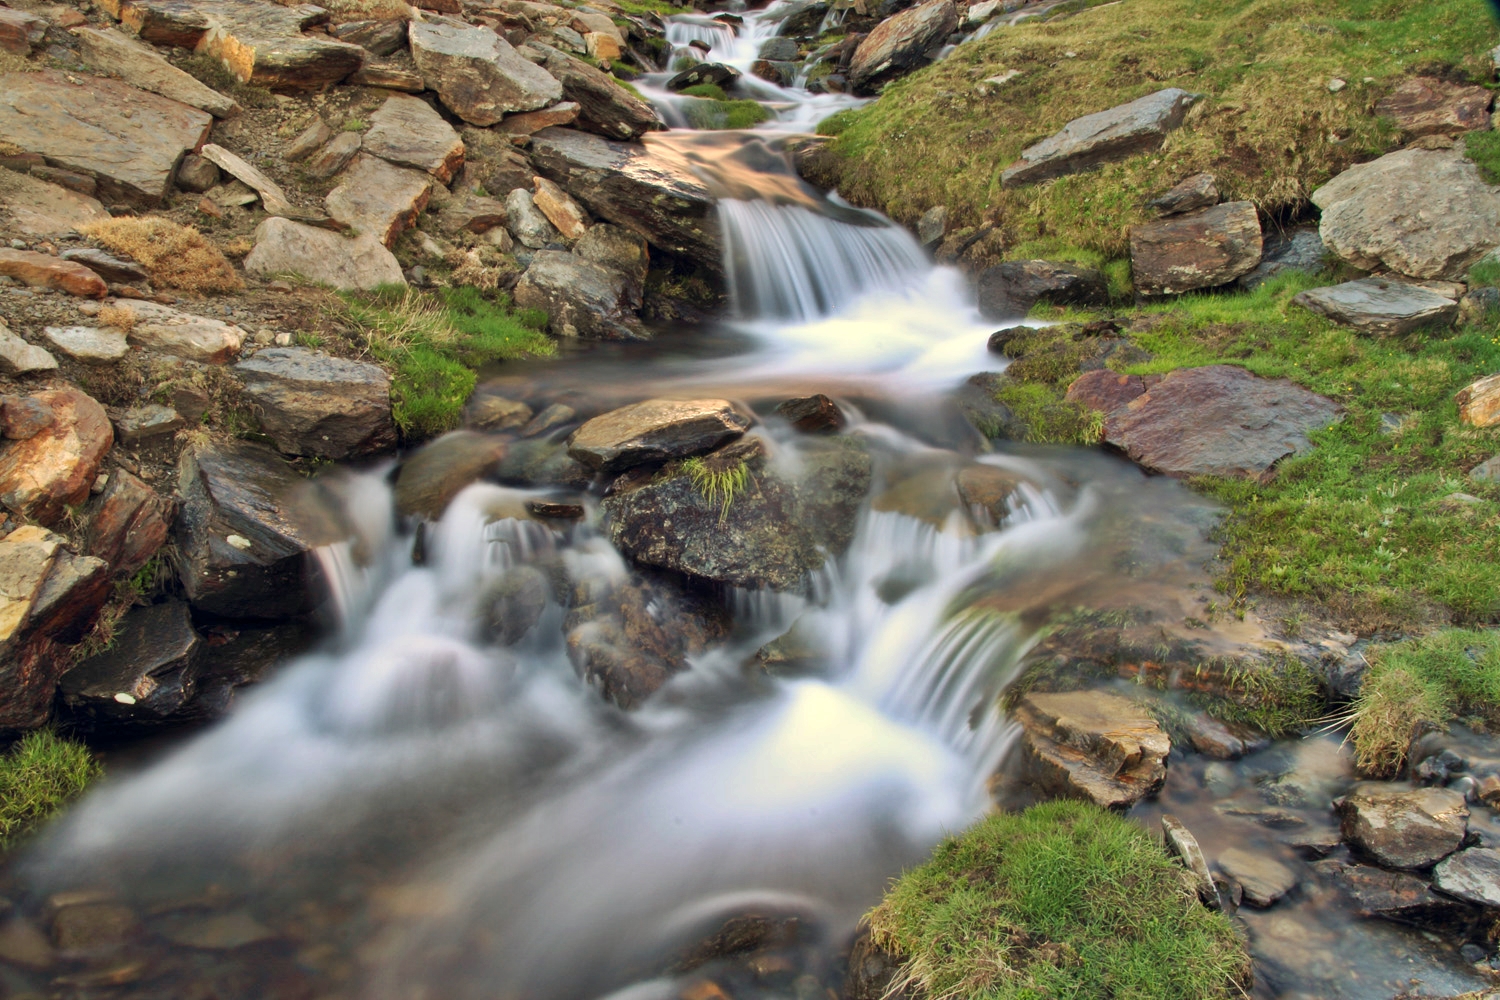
pixel 1484 149
pixel 718 485
pixel 38 776
pixel 723 114
pixel 174 256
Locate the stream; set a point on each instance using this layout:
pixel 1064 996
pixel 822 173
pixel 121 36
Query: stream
pixel 417 811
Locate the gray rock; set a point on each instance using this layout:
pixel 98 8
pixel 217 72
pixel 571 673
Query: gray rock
pixel 107 266
pixel 527 223
pixel 17 357
pixel 334 156
pixel 379 199
pixel 140 65
pixel 379 38
pixel 1009 290
pixel 150 420
pixel 311 404
pixel 1201 249
pixel 164 330
pixel 1395 896
pixel 1403 827
pixel 779 48
pixel 476 74
pixel 1198 191
pixel 1085 143
pixel 308 141
pixel 1263 879
pixel 604 107
pixel 1472 875
pixel 407 132
pixel 283 247
pixel 580 298
pixel 616 248
pixel 713 74
pixel 1300 249
pixel 1421 213
pixel 1487 471
pixel 900 44
pixel 196 174
pixel 147 675
pixel 436 474
pixel 1184 846
pixel 88 344
pixel 1478 305
pixel 932 225
pixel 1380 305
pixel 1092 745
pixel 657 430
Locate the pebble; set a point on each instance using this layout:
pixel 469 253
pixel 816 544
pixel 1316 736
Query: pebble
pixel 1335 85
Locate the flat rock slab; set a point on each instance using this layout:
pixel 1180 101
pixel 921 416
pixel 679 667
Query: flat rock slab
pixel 284 247
pixel 379 199
pixel 166 330
pixel 407 132
pixel 36 208
pixel 476 73
pixel 312 404
pixel 1389 895
pixel 1425 105
pixel 1422 213
pixel 603 106
pixel 148 673
pixel 88 344
pixel 656 430
pixel 1472 875
pixel 1218 420
pixel 900 43
pixel 142 66
pixel 1201 249
pixel 40 270
pixel 107 266
pixel 1087 142
pixel 1403 827
pixel 1264 879
pixel 53 469
pixel 1093 745
pixel 1379 305
pixel 17 357
pixel 1479 404
pixel 128 140
pixel 580 298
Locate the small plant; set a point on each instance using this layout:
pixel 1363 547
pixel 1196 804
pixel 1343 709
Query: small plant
pixel 718 485
pixel 356 125
pixel 38 776
pixel 121 317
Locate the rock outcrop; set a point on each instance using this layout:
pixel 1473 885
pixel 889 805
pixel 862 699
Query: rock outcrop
pixel 580 298
pixel 900 43
pixel 1087 142
pixel 1380 305
pixel 1093 745
pixel 476 73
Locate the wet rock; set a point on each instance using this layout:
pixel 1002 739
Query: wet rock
pixel 128 140
pixel 214 932
pixel 562 211
pixel 657 430
pixel 1222 740
pixel 108 267
pixel 142 66
pixel 312 404
pixel 1424 105
pixel 52 470
pixel 1472 875
pixel 618 249
pixel 1264 880
pixel 1479 403
pixel 242 552
pixel 802 18
pixel 625 183
pixel 1009 290
pixel 1201 249
pixel 379 38
pixel 407 132
pixel 496 413
pixel 283 247
pixel 1093 745
pixel 165 330
pixel 604 107
pixel 1403 827
pixel 712 74
pixel 1300 249
pixel 20 31
pixel 816 414
pixel 580 298
pixel 779 48
pixel 1368 218
pixel 1182 845
pixel 335 156
pixel 527 122
pixel 130 525
pixel 433 476
pixel 900 44
pixel 88 344
pixel 1381 306
pixel 1198 191
pixel 40 270
pixel 476 73
pixel 150 420
pixel 1388 895
pixel 93 926
pixel 516 604
pixel 986 491
pixel 1084 143
pixel 23 945
pixel 147 675
pixel 17 357
pixel 378 199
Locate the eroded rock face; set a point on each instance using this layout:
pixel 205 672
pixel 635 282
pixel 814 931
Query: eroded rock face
pixel 1424 105
pixel 657 430
pixel 580 298
pixel 311 404
pixel 604 107
pixel 1381 306
pixel 1009 290
pixel 407 132
pixel 1403 827
pixel 52 470
pixel 285 247
pixel 900 43
pixel 1093 745
pixel 476 73
pixel 1421 213
pixel 1086 142
pixel 1201 249
pixel 147 675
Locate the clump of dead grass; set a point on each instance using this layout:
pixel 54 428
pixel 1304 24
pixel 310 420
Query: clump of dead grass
pixel 119 316
pixel 175 256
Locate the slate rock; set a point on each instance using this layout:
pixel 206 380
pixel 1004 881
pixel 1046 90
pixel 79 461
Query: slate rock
pixel 604 107
pixel 142 66
pixel 312 404
pixel 40 270
pixel 1009 290
pixel 272 196
pixel 283 247
pixel 1201 249
pixel 379 38
pixel 165 330
pixel 1403 827
pixel 23 417
pixel 1198 191
pixel 712 74
pixel 266 44
pixel 476 73
pixel 1424 105
pixel 333 156
pixel 1092 745
pixel 52 470
pixel 562 211
pixel 816 414
pixel 1472 875
pixel 148 674
pixel 1181 843
pixel 527 122
pixel 379 199
pixel 654 431
pixel 407 132
pixel 1263 879
pixel 900 43
pixel 130 525
pixel 1381 306
pixel 1299 249
pixel 149 420
pixel 1120 132
pixel 20 31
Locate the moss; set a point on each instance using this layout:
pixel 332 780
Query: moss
pixel 1048 418
pixel 1486 273
pixel 709 91
pixel 710 114
pixel 1484 149
pixel 356 125
pixel 38 776
pixel 174 256
pixel 1281 697
pixel 1063 900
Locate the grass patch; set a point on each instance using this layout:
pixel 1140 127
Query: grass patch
pixel 433 343
pixel 711 114
pixel 707 91
pixel 38 776
pixel 175 256
pixel 1424 682
pixel 1484 149
pixel 1279 698
pixel 1047 417
pixel 1063 900
pixel 356 125
pixel 718 485
pixel 640 8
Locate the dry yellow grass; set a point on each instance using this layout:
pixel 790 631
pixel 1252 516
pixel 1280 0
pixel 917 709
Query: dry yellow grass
pixel 175 256
pixel 121 317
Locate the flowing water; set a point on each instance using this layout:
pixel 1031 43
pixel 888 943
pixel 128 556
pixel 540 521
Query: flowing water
pixel 419 810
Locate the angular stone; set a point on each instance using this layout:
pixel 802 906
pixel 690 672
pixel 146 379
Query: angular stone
pixel 308 141
pixel 1479 404
pixel 625 183
pixel 53 470
pixel 37 208
pixel 562 211
pixel 131 524
pixel 1184 846
pixel 1382 306
pixel 816 414
pixel 178 23
pixel 1009 290
pixel 1472 875
pixel 242 555
pixel 1222 740
pixel 1263 879
pixel 88 344
pixel 388 76
pixel 1084 143
pixel 431 478
pixel 74 591
pixel 617 249
pixel 604 107
pixel 527 122
pixel 580 298
pixel 1300 249
pixel 334 156
pixel 151 420
pixel 1422 213
pixel 379 38
pixel 1424 105
pixel 1403 827
pixel 17 357
pixel 1387 895
pixel 165 330
pixel 263 44
pixel 1201 249
pixel 526 221
pixel 407 132
pixel 142 66
pixel 1093 745
pixel 283 247
pixel 712 74
pixel 147 675
pixel 900 43
pixel 476 74
pixel 271 195
pixel 128 140
pixel 378 199
pixel 1487 471
pixel 471 213
pixel 20 32
pixel 40 270
pixel 26 557
pixel 311 404
pixel 107 266
pixel 656 430
pixel 1198 191
pixel 23 417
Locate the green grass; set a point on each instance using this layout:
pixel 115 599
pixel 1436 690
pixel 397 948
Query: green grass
pixel 434 342
pixel 1280 698
pixel 1428 681
pixel 1063 900
pixel 38 776
pixel 718 485
pixel 356 125
pixel 708 91
pixel 640 8
pixel 1484 149
pixel 707 114
pixel 1047 417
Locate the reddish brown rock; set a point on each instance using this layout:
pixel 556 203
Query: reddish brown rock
pixel 43 475
pixel 527 122
pixel 131 524
pixel 1093 745
pixel 815 414
pixel 407 132
pixel 1479 404
pixel 1424 105
pixel 20 32
pixel 40 270
pixel 1105 390
pixel 1202 249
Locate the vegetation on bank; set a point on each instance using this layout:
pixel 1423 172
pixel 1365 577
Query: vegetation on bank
pixel 38 776
pixel 1063 900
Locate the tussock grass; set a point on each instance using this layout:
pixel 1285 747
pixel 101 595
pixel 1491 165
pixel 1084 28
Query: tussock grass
pixel 38 776
pixel 718 484
pixel 120 316
pixel 174 256
pixel 1063 900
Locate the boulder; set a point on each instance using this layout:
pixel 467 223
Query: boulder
pixel 1424 105
pixel 433 476
pixel 88 344
pixel 264 44
pixel 148 674
pixel 23 417
pixel 580 298
pixel 20 31
pixel 1181 843
pixel 149 420
pixel 1218 420
pixel 130 525
pixel 618 249
pixel 26 557
pixel 527 223
pixel 407 132
pixel 379 38
pixel 1472 875
pixel 900 44
pixel 476 74
pixel 40 270
pixel 312 404
pixel 562 211
pixel 712 74
pixel 1299 249
pixel 128 140
pixel 379 199
pixel 241 555
pixel 1403 827
pixel 1395 896
pixel 1263 879
pixel 165 330
pixel 107 266
pixel 1009 290
pixel 283 247
pixel 816 414
pixel 17 357
pixel 1084 143
pixel 604 107
pixel 1198 191
pixel 1421 213
pixel 1222 740
pixel 471 213
pixel 1092 745
pixel 272 197
pixel 657 430
pixel 527 122
pixel 1380 305
pixel 53 469
pixel 1479 403
pixel 1201 249
pixel 627 184
pixel 142 66
pixel 334 156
